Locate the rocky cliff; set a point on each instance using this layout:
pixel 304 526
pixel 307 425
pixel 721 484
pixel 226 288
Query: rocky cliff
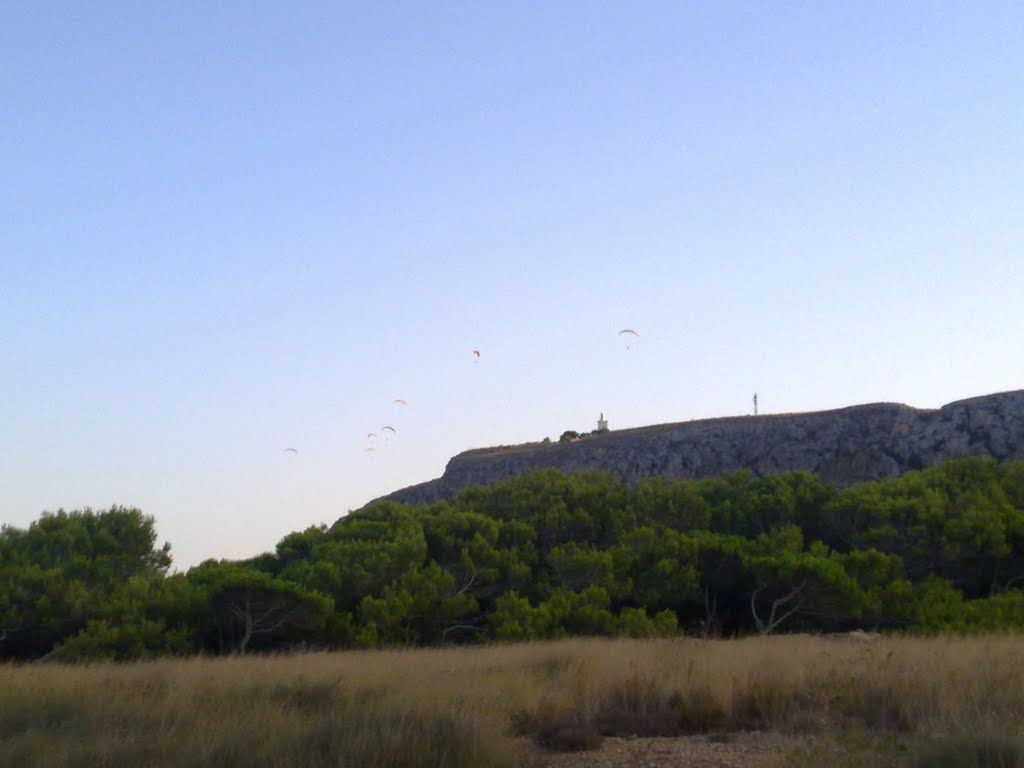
pixel 844 446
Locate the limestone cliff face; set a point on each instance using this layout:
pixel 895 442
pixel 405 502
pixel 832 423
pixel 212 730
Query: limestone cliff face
pixel 844 446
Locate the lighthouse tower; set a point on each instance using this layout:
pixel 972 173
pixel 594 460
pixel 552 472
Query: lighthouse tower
pixel 602 423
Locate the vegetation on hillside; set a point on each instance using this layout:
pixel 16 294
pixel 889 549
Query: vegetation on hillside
pixel 543 556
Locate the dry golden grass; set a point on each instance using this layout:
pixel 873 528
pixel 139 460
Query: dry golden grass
pixel 462 707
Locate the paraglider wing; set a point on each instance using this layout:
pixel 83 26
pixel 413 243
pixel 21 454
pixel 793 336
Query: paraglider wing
pixel 630 331
pixel 371 435
pixel 400 401
pixel 476 352
pixel 290 450
pixel 391 429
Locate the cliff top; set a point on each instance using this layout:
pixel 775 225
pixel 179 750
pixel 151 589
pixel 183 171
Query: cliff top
pixel 842 446
pixel 504 450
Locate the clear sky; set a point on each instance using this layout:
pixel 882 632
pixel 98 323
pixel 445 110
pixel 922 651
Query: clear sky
pixel 228 229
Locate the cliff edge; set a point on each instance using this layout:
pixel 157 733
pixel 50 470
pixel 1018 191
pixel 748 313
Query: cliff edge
pixel 843 446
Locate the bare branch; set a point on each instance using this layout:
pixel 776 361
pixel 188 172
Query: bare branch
pixel 753 609
pixel 472 625
pixel 773 622
pixel 468 584
pixel 710 612
pixel 1011 582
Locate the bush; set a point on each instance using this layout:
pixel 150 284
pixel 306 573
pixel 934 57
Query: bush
pixel 100 641
pixel 569 734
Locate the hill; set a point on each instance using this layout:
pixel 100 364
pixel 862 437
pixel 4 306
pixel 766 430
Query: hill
pixel 842 446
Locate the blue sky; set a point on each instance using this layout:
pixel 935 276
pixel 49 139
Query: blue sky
pixel 227 229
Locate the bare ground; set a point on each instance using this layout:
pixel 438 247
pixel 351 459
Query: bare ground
pixel 740 750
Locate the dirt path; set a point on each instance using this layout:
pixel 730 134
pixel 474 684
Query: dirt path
pixel 742 750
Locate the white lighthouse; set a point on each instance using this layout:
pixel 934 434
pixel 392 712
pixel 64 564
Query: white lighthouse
pixel 602 423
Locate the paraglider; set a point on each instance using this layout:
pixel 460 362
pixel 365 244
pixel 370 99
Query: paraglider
pixel 630 334
pixel 290 450
pixel 399 401
pixel 476 353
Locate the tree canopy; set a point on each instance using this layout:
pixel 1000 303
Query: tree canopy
pixel 541 556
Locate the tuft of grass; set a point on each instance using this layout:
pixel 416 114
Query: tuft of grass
pixel 699 711
pixel 986 749
pixel 846 750
pixel 877 705
pixel 523 723
pixel 568 734
pixel 765 703
pixel 639 706
pixel 634 706
pixel 556 666
pixel 311 696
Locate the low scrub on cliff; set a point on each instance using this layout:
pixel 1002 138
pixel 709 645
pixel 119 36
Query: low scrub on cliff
pixel 540 557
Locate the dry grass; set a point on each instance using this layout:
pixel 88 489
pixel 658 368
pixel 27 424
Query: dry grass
pixel 464 707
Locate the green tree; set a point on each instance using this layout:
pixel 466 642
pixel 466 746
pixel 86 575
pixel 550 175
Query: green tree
pixel 514 619
pixel 659 567
pixel 674 505
pixel 424 606
pixel 248 606
pixel 65 568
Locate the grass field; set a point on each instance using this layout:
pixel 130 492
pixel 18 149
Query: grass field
pixel 940 701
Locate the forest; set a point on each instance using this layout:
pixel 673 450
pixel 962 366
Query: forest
pixel 543 556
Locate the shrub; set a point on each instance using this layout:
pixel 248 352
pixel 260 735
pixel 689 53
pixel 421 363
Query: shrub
pixel 569 734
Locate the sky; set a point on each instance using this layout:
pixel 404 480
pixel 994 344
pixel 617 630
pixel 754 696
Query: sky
pixel 228 229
